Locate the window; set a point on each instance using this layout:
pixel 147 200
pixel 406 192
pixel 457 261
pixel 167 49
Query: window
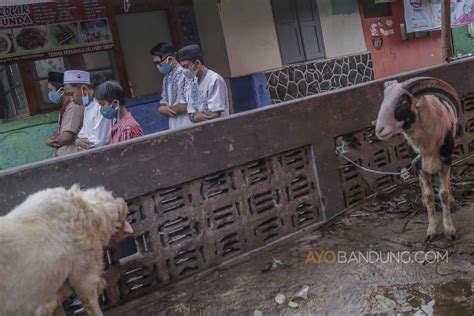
pixel 99 64
pixel 42 68
pixel 13 102
pixel 375 10
pixel 298 29
pixel 100 67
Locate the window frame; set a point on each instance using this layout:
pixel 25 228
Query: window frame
pixel 13 90
pixel 299 33
pixel 49 107
pixel 31 80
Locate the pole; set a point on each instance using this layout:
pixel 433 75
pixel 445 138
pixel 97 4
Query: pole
pixel 446 37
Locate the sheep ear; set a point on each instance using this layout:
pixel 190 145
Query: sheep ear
pixel 389 83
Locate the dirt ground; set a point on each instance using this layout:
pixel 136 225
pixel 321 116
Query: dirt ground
pixel 397 224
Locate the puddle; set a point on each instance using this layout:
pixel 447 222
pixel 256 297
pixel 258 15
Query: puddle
pixel 446 299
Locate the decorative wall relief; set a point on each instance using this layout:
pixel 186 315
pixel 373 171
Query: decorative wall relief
pixel 297 81
pixel 194 226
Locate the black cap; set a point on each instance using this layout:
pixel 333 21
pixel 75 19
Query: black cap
pixel 189 52
pixel 55 77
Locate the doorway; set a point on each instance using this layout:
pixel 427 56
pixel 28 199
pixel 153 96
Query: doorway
pixel 138 33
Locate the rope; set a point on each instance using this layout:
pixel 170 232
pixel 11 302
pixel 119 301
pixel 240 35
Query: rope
pixel 404 173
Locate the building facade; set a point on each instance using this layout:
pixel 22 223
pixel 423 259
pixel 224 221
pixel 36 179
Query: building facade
pixel 285 49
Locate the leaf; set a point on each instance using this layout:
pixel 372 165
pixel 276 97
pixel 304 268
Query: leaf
pixel 277 262
pixel 272 265
pixel 266 267
pixel 293 304
pixel 257 313
pixel 386 302
pixel 280 299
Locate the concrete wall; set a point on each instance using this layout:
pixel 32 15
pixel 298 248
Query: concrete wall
pixel 23 141
pixel 212 36
pixel 217 190
pixel 396 56
pixel 342 27
pixel 239 37
pixel 250 36
pixel 145 111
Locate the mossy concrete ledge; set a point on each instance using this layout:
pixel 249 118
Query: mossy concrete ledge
pixel 23 141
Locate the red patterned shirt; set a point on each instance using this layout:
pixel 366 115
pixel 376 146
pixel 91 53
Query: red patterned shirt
pixel 128 128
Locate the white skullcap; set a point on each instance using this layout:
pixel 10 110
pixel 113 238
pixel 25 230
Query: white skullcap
pixel 77 76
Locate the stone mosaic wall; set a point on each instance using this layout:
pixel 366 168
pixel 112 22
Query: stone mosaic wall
pixel 297 81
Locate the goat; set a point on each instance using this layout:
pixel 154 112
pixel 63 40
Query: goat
pixel 424 110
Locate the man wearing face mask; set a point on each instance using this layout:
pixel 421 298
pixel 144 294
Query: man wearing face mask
pixel 172 103
pixel 96 131
pixel 111 98
pixel 206 95
pixel 56 88
pixel 70 117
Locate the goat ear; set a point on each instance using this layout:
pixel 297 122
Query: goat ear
pixel 417 103
pixel 389 83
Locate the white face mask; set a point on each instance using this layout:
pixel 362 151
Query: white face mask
pixel 190 73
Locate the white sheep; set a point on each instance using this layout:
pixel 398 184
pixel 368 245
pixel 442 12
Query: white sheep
pixel 424 110
pixel 53 243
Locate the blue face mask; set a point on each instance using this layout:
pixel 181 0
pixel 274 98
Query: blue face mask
pixel 165 69
pixel 110 113
pixel 85 98
pixel 55 97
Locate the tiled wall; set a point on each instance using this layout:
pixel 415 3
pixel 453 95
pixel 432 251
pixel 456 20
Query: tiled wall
pixel 296 81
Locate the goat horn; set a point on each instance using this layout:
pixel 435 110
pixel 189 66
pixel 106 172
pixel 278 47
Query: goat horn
pixel 428 85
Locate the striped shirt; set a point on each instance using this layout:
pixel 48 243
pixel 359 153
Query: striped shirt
pixel 128 128
pixel 173 93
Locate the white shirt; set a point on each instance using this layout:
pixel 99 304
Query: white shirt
pixel 96 128
pixel 208 95
pixel 173 94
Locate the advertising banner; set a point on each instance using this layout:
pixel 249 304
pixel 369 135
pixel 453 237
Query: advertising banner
pixel 53 29
pixel 425 15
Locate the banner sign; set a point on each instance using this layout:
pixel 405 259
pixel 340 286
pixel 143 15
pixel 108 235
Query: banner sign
pixel 53 29
pixel 425 15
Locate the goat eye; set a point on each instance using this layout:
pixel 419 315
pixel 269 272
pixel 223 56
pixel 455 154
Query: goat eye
pixel 405 101
pixel 404 113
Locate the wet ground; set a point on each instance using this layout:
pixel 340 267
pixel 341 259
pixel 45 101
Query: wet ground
pixel 429 286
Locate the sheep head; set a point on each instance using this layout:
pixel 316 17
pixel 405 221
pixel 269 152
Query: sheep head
pixel 398 111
